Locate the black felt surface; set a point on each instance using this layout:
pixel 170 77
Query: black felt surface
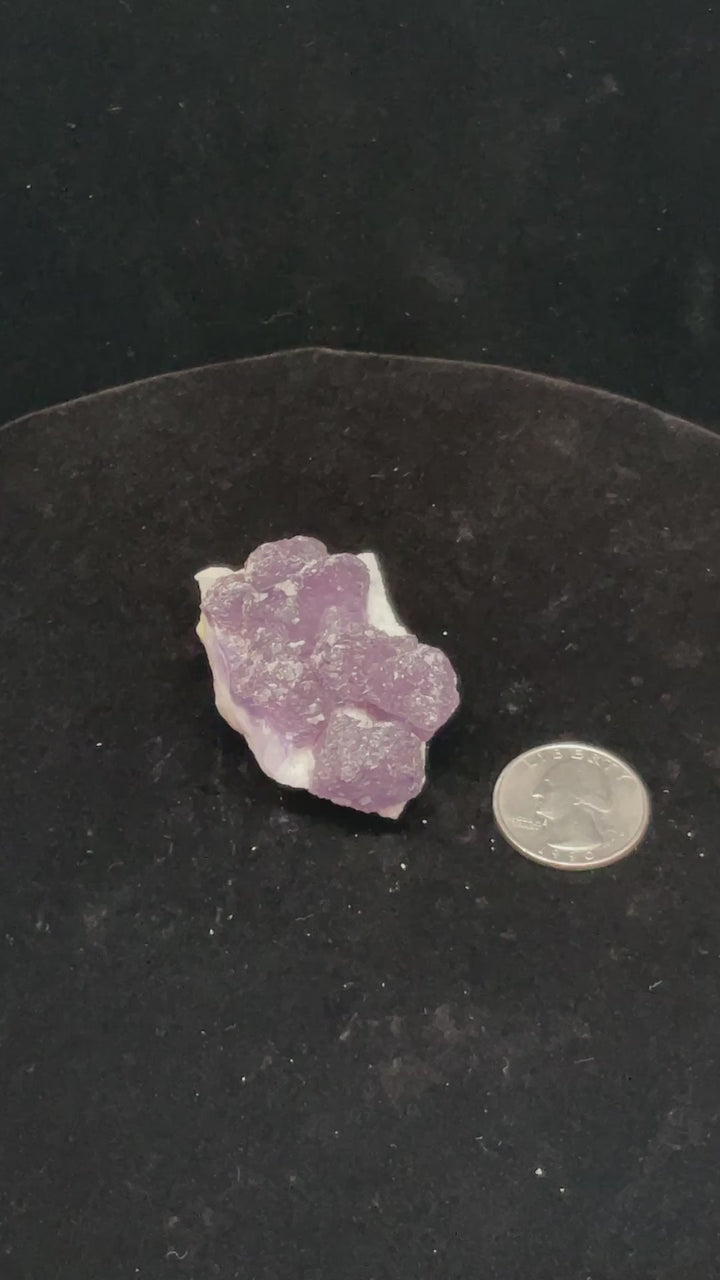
pixel 246 1034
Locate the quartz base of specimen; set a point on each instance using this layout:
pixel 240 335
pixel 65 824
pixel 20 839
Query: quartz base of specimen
pixel 312 666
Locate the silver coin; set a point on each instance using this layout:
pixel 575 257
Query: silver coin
pixel 571 806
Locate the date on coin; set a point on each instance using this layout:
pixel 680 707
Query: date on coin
pixel 571 806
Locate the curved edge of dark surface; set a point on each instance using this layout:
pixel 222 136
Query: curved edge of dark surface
pixel 312 353
pixel 266 993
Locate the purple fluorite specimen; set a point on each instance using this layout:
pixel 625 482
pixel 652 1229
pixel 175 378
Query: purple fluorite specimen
pixel 310 663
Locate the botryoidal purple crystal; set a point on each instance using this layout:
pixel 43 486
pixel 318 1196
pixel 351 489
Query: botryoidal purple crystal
pixel 311 665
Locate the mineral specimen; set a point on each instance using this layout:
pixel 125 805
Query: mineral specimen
pixel 310 663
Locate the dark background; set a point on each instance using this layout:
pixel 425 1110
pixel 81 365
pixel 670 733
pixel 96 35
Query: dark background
pixel 244 1035
pixel 528 183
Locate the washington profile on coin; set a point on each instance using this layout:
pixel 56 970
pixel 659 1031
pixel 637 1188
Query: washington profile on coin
pixel 571 806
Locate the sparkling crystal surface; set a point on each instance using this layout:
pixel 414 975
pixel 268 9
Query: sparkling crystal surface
pixel 311 665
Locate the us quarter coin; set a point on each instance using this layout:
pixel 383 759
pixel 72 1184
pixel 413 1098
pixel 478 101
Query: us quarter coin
pixel 571 806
